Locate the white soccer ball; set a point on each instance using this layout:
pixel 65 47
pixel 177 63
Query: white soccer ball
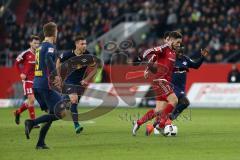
pixel 170 130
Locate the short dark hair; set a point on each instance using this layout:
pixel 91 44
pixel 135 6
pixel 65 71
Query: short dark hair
pixel 175 34
pixel 166 34
pixel 34 37
pixel 49 29
pixel 79 37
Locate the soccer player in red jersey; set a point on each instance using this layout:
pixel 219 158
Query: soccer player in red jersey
pixel 161 61
pixel 25 64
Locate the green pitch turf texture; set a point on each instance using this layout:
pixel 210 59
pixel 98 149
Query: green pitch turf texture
pixel 210 134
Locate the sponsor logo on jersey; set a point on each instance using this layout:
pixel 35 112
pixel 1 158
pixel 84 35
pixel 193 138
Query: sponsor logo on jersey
pixel 50 50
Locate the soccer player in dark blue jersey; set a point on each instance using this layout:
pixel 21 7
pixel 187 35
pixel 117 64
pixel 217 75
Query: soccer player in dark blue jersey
pixel 182 65
pixel 46 97
pixel 78 77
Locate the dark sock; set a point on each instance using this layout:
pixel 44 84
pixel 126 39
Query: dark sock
pixel 75 114
pixel 45 118
pixel 177 111
pixel 43 132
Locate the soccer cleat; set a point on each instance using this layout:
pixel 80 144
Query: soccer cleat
pixel 17 117
pixel 28 127
pixel 38 147
pixel 156 131
pixel 78 129
pixel 135 128
pixel 160 130
pixel 149 129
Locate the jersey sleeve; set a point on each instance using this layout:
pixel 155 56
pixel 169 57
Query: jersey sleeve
pixel 194 63
pixel 63 57
pixel 151 54
pixel 50 59
pixel 18 62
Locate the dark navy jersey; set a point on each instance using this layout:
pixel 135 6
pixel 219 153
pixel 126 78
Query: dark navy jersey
pixel 45 64
pixel 182 66
pixel 76 76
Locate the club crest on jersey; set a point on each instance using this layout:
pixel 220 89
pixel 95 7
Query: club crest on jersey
pixel 184 63
pixel 50 50
pixel 84 60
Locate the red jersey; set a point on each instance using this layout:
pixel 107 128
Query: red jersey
pixel 27 60
pixel 165 58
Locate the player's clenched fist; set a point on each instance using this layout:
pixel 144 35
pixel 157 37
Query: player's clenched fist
pixel 204 52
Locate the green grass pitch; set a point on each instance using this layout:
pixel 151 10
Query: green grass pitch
pixel 211 134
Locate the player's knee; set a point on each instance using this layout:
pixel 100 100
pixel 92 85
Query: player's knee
pixel 74 99
pixel 173 100
pixel 184 101
pixel 160 105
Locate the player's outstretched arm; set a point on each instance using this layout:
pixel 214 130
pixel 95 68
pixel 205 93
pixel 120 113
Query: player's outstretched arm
pixel 97 63
pixel 198 62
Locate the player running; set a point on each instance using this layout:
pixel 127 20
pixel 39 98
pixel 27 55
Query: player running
pixel 46 97
pixel 76 78
pixel 25 63
pixel 164 56
pixel 182 65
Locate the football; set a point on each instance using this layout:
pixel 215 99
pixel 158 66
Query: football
pixel 170 130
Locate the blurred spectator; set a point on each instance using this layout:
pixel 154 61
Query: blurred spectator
pixel 234 75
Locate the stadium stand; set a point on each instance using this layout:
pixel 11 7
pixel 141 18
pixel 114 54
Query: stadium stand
pixel 205 23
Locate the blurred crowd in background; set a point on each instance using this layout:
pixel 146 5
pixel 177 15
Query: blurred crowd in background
pixel 212 24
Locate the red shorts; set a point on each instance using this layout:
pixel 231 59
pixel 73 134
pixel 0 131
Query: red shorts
pixel 28 87
pixel 162 89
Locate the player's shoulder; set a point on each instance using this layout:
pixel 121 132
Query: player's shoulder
pixel 86 52
pixel 161 47
pixel 47 47
pixel 185 57
pixel 23 54
pixel 66 54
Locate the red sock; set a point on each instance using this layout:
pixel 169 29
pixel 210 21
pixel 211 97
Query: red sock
pixel 31 112
pixel 22 108
pixel 164 115
pixel 148 116
pixel 157 120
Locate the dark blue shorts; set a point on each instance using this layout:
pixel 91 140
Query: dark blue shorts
pixel 47 98
pixel 179 92
pixel 70 88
